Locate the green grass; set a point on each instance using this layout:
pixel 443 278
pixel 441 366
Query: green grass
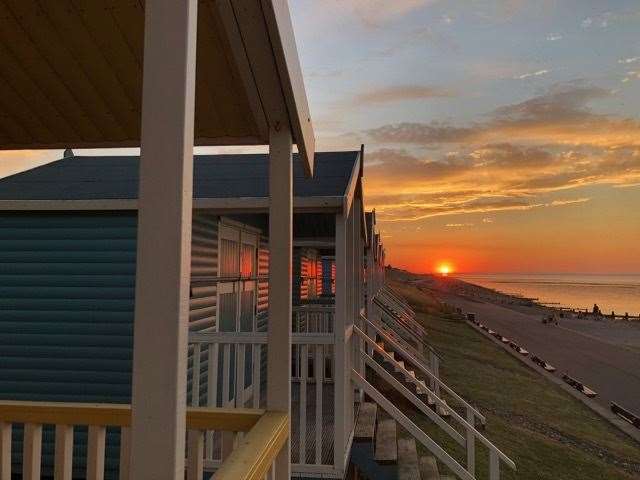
pixel 549 434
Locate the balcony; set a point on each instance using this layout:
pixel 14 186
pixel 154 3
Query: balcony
pixel 228 370
pixel 257 437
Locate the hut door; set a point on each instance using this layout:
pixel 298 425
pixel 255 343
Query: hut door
pixel 228 275
pixel 237 290
pixel 238 279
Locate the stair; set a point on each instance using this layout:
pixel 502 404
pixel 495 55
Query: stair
pixel 386 446
pixel 366 426
pixel 420 389
pixel 429 468
pixel 389 450
pixel 407 459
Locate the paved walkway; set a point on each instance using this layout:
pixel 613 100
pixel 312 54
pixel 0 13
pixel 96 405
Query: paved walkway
pixel 610 369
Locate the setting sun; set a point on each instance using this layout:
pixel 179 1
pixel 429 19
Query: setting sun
pixel 444 268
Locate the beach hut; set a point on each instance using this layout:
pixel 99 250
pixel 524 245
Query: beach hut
pixel 68 257
pixel 123 74
pixel 217 371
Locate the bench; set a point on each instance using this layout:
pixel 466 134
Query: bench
pixel 579 386
pixel 625 414
pixel 537 360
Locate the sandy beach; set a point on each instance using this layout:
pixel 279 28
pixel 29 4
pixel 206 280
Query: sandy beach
pixel 603 354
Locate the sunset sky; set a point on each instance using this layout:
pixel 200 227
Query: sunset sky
pixel 500 136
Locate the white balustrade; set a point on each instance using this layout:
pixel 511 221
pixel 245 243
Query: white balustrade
pixel 228 369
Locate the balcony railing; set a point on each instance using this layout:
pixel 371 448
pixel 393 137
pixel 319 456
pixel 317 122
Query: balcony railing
pixel 262 436
pixel 228 369
pixel 313 318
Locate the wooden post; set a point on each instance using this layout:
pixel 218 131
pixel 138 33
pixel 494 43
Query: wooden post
pixel 494 466
pixel 280 251
pixel 125 453
pixel 343 351
pixel 164 241
pixel 195 466
pixel 358 345
pixel 340 372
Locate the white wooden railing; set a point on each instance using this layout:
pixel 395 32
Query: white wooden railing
pixel 435 382
pixel 468 424
pixel 313 318
pixel 403 325
pixel 401 310
pixel 263 435
pixel 229 370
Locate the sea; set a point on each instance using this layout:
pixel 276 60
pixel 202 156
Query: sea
pixel 618 293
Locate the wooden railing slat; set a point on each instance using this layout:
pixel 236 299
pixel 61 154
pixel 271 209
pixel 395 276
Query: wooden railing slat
pixel 63 466
pixel 95 452
pixel 32 451
pixel 319 374
pixel 304 369
pixel 5 450
pixel 195 380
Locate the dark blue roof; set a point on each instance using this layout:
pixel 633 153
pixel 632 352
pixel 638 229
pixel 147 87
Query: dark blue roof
pixel 215 176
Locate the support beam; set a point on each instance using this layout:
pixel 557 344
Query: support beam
pixel 343 351
pixel 164 241
pixel 280 264
pixel 340 353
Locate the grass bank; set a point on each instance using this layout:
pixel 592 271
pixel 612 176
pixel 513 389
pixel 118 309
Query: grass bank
pixel 548 433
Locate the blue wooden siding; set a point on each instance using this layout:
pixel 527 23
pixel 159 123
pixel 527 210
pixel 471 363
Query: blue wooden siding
pixel 67 285
pixel 66 315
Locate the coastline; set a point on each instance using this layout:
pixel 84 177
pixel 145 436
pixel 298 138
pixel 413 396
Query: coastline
pixel 471 290
pixel 619 331
pixel 571 293
pixel 602 353
pixel 535 416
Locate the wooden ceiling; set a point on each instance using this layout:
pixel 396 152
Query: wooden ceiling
pixel 71 75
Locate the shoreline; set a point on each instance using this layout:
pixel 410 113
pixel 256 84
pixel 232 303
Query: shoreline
pixel 504 298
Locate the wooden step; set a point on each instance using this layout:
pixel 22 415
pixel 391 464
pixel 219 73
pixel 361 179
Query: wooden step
pixel 429 468
pixel 386 447
pixel 366 424
pixel 408 460
pixel 401 364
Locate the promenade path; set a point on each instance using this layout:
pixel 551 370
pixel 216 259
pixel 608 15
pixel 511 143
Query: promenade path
pixel 603 363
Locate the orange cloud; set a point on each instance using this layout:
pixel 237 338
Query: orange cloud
pixel 555 143
pixel 559 116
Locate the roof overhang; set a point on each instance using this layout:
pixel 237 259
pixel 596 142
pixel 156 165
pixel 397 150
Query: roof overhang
pixel 71 74
pixel 222 206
